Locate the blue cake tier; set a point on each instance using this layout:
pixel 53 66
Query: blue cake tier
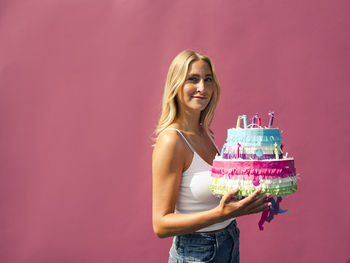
pixel 255 143
pixel 254 137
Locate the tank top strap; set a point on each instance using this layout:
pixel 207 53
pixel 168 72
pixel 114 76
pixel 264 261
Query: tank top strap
pixel 214 143
pixel 183 137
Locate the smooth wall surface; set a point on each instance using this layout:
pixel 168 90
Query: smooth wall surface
pixel 80 90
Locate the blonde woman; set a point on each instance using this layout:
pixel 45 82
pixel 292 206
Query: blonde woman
pixel 204 227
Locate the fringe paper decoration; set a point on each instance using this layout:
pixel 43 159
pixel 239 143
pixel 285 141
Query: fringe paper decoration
pixel 269 214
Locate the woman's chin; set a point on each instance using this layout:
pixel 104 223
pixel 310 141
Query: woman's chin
pixel 200 104
pixel 196 107
pixel 199 108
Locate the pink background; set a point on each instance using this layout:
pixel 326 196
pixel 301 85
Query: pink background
pixel 81 85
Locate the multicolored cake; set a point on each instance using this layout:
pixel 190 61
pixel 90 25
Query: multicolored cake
pixel 252 157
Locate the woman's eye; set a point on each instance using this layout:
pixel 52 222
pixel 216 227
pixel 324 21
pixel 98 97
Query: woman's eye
pixel 192 79
pixel 209 79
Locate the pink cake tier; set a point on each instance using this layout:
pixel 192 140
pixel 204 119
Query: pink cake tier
pixel 275 176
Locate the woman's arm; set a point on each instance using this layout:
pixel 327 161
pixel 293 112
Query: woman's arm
pixel 169 159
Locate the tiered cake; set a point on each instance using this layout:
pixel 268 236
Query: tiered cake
pixel 252 157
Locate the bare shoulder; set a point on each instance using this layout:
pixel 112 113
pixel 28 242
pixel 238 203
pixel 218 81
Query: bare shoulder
pixel 170 142
pixel 169 154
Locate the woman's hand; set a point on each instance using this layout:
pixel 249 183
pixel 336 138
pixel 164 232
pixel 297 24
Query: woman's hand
pixel 253 203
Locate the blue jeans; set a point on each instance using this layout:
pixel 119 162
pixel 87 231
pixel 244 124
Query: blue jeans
pixel 219 247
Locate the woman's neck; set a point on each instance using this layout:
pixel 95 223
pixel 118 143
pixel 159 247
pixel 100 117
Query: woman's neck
pixel 189 122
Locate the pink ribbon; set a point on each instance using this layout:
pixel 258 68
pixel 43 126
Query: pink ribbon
pixel 264 216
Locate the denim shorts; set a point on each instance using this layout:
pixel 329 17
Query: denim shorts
pixel 219 247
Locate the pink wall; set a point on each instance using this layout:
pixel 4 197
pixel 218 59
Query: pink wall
pixel 80 89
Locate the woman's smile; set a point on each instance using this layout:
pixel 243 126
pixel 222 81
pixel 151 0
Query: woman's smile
pixel 199 97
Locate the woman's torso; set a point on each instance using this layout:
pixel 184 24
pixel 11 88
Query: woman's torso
pixel 194 194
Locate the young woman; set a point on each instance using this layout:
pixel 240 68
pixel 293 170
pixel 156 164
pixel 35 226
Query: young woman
pixel 204 227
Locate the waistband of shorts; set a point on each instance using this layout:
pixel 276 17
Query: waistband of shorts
pixel 214 233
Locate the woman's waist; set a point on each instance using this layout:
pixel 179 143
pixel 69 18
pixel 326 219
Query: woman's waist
pixel 216 228
pixel 210 234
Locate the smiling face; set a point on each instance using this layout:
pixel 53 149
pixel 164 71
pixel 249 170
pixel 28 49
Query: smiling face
pixel 198 87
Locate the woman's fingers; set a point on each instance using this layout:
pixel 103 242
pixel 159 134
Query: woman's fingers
pixel 249 205
pixel 260 208
pixel 258 201
pixel 250 198
pixel 254 203
pixel 228 197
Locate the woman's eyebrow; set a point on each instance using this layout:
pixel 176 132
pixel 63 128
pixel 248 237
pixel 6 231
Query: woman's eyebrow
pixel 197 75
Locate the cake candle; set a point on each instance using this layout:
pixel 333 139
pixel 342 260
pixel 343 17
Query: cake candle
pixel 253 121
pixel 259 121
pixel 254 118
pixel 237 153
pixel 238 121
pixel 276 151
pixel 271 118
pixel 244 117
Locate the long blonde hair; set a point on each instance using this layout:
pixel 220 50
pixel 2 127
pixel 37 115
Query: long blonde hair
pixel 175 79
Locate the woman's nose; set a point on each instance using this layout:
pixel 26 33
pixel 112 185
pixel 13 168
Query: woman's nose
pixel 201 85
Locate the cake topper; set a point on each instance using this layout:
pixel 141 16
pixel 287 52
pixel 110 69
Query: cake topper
pixel 255 117
pixel 244 118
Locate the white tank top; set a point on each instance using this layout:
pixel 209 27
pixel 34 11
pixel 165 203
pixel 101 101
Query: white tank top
pixel 194 194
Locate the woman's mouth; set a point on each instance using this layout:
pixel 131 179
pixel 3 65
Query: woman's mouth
pixel 199 97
